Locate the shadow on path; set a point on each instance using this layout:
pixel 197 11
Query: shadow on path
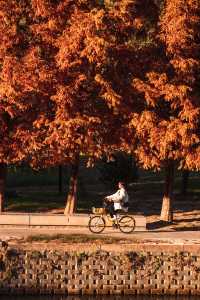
pixel 157 225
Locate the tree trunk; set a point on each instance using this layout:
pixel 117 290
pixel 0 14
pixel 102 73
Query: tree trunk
pixel 72 194
pixel 185 179
pixel 167 211
pixel 3 171
pixel 60 182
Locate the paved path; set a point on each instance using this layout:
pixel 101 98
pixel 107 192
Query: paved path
pixel 175 237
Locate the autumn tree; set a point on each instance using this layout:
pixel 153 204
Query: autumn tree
pixel 168 126
pixel 35 75
pixel 82 113
pixel 120 65
pixel 65 129
pixel 184 55
pixel 12 107
pixel 23 84
pixel 56 81
pixel 91 77
pixel 98 55
pixel 110 43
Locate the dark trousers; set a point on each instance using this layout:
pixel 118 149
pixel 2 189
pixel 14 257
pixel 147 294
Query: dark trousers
pixel 110 208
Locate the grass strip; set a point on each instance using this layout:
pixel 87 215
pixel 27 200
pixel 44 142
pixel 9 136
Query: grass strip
pixel 75 238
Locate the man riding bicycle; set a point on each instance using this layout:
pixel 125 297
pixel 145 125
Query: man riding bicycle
pixel 117 201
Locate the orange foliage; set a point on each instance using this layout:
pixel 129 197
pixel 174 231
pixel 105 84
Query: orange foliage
pixel 167 127
pixel 24 80
pixel 92 77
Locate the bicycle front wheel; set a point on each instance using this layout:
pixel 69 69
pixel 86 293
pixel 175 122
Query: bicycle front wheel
pixel 127 224
pixel 96 224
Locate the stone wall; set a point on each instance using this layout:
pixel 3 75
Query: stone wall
pixel 58 221
pixel 99 272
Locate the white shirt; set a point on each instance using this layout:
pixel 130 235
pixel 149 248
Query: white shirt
pixel 119 198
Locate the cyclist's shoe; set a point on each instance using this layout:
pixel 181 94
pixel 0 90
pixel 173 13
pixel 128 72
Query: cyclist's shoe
pixel 114 225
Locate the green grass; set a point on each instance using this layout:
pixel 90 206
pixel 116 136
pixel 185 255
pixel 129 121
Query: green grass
pixel 34 201
pixel 73 238
pixel 37 191
pixel 42 201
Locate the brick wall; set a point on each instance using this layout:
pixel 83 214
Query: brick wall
pixel 99 272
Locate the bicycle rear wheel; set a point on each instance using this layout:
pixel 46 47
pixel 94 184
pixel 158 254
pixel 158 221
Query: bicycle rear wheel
pixel 96 224
pixel 126 224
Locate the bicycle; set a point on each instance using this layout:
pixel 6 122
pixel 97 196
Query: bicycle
pixel 97 223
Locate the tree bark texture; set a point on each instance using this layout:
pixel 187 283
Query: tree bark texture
pixel 72 194
pixel 167 211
